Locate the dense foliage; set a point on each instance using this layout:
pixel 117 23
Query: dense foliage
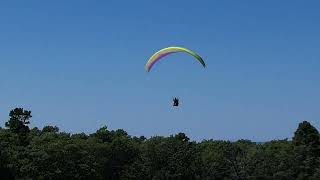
pixel 113 154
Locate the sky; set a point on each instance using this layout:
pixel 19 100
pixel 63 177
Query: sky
pixel 79 65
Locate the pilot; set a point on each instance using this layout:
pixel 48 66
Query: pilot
pixel 175 102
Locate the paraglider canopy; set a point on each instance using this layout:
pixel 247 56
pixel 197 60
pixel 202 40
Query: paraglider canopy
pixel 169 50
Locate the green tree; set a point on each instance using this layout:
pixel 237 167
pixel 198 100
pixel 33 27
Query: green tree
pixel 306 144
pixel 5 147
pixel 316 175
pixel 18 124
pixel 53 129
pixel 212 160
pixel 169 158
pixel 18 121
pixel 272 160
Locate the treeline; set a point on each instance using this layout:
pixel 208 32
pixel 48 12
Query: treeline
pixel 113 154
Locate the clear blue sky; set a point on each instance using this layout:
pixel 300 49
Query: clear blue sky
pixel 80 65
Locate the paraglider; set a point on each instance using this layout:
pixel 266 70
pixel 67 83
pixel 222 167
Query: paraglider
pixel 169 50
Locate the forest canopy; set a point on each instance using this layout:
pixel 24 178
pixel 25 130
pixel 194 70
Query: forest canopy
pixel 48 153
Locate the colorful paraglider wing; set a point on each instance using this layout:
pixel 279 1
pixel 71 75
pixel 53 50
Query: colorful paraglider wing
pixel 169 50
